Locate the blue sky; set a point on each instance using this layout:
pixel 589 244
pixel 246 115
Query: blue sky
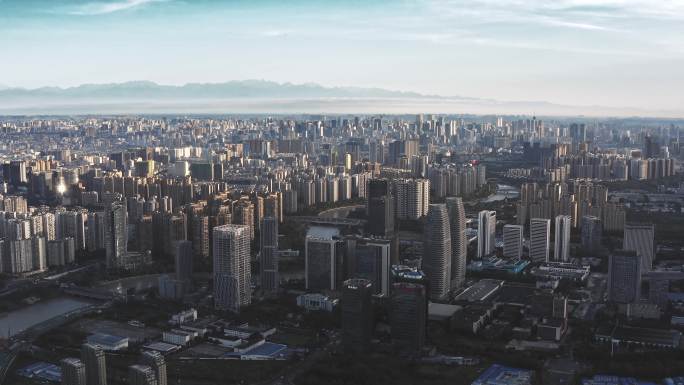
pixel 624 53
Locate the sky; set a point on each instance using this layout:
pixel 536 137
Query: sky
pixel 616 53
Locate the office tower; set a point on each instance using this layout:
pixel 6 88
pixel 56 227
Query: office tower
pixel 437 251
pixel 412 198
pixel 624 277
pixel 73 372
pixel 270 279
pixel 486 233
pixel 156 361
pixel 592 232
pixel 95 364
pixel 357 314
pixel 369 258
pixel 232 271
pixel 184 261
pixel 459 241
pixel 561 245
pixel 141 375
pixel 540 234
pixel 408 314
pixel 323 259
pixel 640 239
pixel 513 241
pixel 380 208
pixel 116 240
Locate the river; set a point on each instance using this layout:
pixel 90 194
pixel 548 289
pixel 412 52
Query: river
pixel 503 191
pixel 16 321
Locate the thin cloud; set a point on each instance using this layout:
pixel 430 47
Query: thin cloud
pixel 103 8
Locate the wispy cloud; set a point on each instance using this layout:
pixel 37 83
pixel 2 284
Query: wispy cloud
pixel 106 7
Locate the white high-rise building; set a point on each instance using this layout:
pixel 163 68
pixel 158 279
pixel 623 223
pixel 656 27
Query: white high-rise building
pixel 561 246
pixel 540 235
pixel 639 238
pixel 412 197
pixel 232 274
pixel 513 241
pixel 459 241
pixel 486 233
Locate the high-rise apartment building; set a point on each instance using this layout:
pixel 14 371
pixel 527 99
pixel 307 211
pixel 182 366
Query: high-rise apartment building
pixel 232 270
pixel 269 276
pixel 437 251
pixel 486 233
pixel 540 234
pixel 116 235
pixel 412 198
pixel 459 241
pixel 561 242
pixel 513 241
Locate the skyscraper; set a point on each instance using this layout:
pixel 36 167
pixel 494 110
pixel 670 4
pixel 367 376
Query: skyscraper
pixel 95 364
pixel 592 232
pixel 459 241
pixel 73 372
pixel 369 258
pixel 183 261
pixel 513 241
pixel 232 274
pixel 116 236
pixel 323 259
pixel 412 198
pixel 640 239
pixel 561 245
pixel 156 361
pixel 540 234
pixel 269 255
pixel 243 214
pixel 408 314
pixel 437 251
pixel 486 233
pixel 380 208
pixel 624 277
pixel 357 314
pixel 141 375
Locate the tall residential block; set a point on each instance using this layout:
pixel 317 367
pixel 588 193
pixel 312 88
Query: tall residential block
pixel 232 270
pixel 437 251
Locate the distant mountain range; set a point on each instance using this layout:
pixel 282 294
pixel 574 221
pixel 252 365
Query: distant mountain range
pixel 232 89
pixel 261 96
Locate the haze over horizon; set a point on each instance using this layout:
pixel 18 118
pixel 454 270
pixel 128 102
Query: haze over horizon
pixel 625 54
